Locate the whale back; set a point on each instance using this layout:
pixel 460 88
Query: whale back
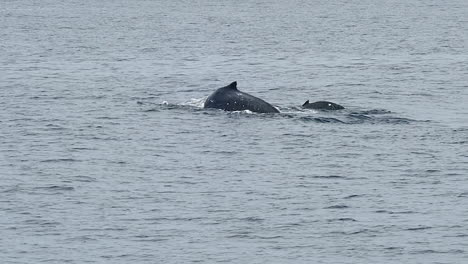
pixel 229 98
pixel 322 105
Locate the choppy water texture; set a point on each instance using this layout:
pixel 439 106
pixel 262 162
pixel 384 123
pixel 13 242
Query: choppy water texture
pixel 107 156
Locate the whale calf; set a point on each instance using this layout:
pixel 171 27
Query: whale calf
pixel 228 98
pixel 322 105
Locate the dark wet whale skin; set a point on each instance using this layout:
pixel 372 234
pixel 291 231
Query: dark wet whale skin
pixel 322 105
pixel 228 98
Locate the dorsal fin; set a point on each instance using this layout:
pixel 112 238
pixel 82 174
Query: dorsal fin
pixel 232 86
pixel 306 103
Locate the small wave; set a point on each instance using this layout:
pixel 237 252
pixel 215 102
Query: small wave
pixel 373 112
pixel 392 212
pixel 359 118
pixel 238 236
pixel 107 118
pixel 54 127
pixel 353 196
pixel 84 179
pixel 56 188
pixel 395 120
pixel 320 119
pixel 418 228
pixel 393 248
pixel 344 219
pixel 338 206
pixel 60 160
pixel 82 148
pixel 151 240
pixel 431 251
pixel 463 142
pixel 352 232
pixel 267 237
pixel 13 189
pixel 252 219
pixel 83 238
pixel 41 222
pixel 329 177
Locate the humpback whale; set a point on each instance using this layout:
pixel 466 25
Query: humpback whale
pixel 322 105
pixel 228 98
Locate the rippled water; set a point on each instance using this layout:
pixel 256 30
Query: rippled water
pixel 106 155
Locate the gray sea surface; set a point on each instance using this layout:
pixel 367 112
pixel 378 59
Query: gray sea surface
pixel 107 156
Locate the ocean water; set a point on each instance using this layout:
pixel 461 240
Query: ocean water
pixel 107 156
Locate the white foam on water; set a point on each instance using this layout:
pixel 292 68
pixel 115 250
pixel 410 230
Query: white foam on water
pixel 195 102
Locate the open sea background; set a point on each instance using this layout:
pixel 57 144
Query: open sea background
pixel 106 155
